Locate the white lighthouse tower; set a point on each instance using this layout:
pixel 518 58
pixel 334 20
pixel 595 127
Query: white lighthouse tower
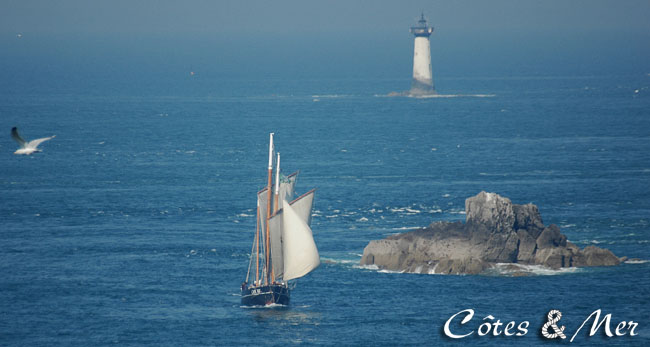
pixel 422 77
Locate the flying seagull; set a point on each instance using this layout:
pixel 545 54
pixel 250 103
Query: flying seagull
pixel 27 147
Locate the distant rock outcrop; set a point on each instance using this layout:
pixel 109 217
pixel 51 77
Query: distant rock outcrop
pixel 495 231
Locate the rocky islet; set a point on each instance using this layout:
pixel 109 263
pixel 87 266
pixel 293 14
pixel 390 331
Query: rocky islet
pixel 496 231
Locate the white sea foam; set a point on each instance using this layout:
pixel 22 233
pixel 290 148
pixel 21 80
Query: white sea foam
pixel 331 96
pixel 362 219
pixel 405 228
pixel 339 261
pixel 506 269
pixel 636 261
pixel 494 174
pixel 500 269
pixel 265 306
pixel 390 271
pixel 434 96
pixel 408 210
pixel 367 267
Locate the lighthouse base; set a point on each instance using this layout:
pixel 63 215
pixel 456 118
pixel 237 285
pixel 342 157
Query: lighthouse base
pixel 419 88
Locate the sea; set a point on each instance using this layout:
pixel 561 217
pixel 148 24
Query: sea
pixel 134 225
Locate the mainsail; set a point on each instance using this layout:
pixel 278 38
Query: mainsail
pixel 302 206
pixel 286 192
pixel 287 189
pixel 298 246
pixel 276 244
pixel 262 201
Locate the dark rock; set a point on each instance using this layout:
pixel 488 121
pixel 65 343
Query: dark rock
pixel 527 247
pixel 554 257
pixel 570 245
pixel 469 266
pixel 551 237
pixel 501 248
pixel 496 231
pixel 594 256
pixel 527 218
pixel 490 210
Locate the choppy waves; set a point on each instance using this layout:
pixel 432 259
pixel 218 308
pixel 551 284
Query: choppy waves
pixel 499 269
pixel 376 214
pixel 434 96
pixel 511 269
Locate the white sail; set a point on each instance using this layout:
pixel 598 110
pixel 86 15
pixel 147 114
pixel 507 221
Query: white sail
pixel 262 200
pixel 299 249
pixel 287 189
pixel 303 206
pixel 276 244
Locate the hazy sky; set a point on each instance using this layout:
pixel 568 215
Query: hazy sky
pixel 324 38
pixel 378 17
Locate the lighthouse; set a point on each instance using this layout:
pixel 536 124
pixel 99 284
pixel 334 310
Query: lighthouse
pixel 422 77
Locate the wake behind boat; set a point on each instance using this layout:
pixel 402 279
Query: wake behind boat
pixel 284 247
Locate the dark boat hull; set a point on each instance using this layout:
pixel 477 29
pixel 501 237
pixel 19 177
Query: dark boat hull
pixel 265 295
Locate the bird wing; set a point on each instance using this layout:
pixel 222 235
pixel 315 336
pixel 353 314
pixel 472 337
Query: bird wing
pixel 17 138
pixel 34 143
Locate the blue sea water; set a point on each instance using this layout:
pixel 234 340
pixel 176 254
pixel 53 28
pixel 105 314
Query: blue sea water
pixel 134 225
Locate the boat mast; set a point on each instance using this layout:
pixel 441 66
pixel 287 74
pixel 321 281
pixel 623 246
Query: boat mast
pixel 277 184
pixel 275 206
pixel 257 244
pixel 268 208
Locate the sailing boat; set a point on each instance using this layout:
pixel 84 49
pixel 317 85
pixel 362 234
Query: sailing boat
pixel 284 247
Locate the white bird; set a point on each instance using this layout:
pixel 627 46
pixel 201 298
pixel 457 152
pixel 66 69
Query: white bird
pixel 30 147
